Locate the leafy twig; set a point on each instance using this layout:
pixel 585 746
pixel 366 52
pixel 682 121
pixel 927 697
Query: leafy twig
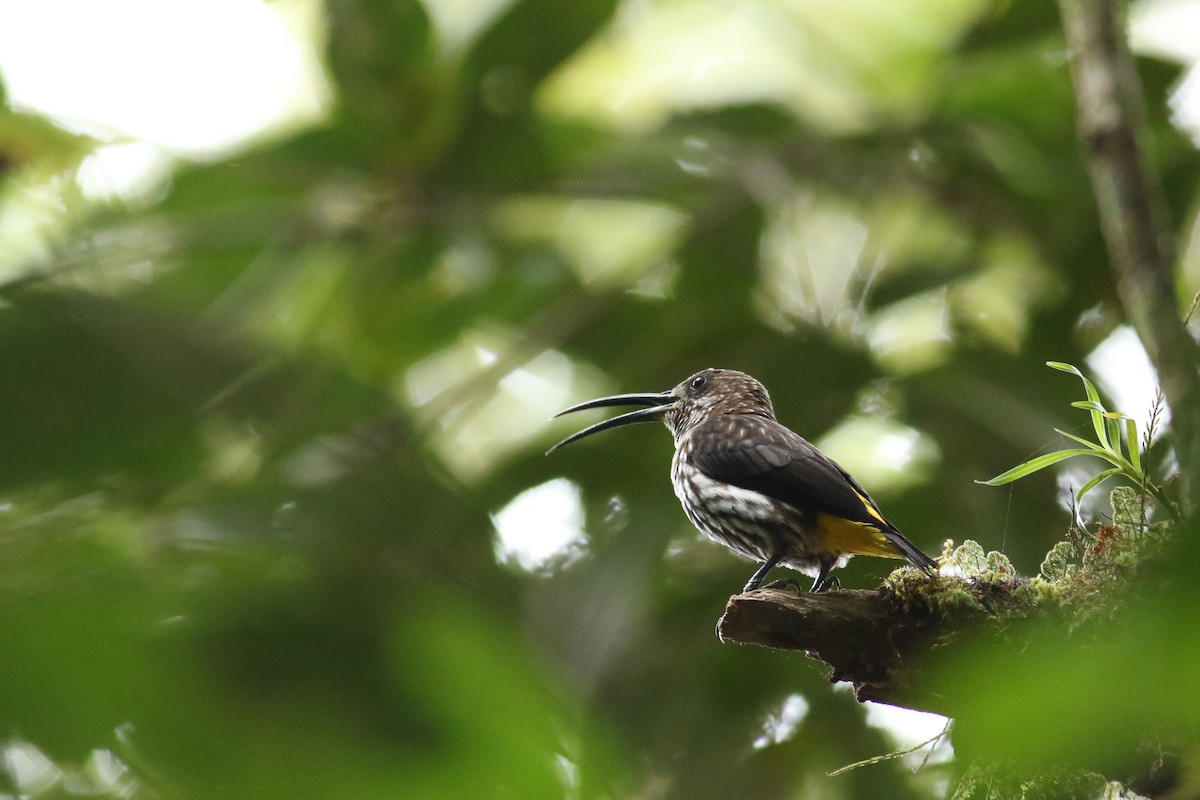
pixel 1116 442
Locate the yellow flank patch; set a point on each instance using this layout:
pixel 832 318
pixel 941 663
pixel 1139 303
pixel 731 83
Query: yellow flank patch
pixel 867 504
pixel 844 536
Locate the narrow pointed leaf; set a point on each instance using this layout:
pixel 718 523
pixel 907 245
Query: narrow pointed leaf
pixel 1086 443
pixel 1062 366
pixel 1113 457
pixel 1097 415
pixel 1096 479
pixel 1088 386
pixel 1133 444
pixel 1035 464
pixel 1093 399
pixel 1114 432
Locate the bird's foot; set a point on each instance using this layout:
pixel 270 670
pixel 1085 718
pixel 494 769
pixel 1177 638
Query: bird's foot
pixel 784 583
pixel 825 584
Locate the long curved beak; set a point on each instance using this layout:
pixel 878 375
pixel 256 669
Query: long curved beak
pixel 660 403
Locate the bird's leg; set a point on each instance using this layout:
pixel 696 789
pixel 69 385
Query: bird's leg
pixel 825 580
pixel 761 572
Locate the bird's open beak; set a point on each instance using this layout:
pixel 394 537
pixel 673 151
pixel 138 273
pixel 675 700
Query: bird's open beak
pixel 660 403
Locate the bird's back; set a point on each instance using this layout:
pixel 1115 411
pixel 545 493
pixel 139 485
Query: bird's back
pixel 765 464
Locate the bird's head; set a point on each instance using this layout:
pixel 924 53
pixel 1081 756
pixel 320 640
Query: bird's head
pixel 708 393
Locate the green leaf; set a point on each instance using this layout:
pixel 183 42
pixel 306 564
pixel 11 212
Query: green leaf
pixel 1088 386
pixel 1033 465
pixel 1114 432
pixel 1062 366
pixel 1114 457
pixel 1133 444
pixel 1089 444
pixel 1096 479
pixel 1112 420
pixel 1093 400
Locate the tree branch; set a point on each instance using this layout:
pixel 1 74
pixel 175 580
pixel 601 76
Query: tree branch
pixel 882 643
pixel 1133 212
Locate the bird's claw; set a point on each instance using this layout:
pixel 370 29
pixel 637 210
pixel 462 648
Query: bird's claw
pixel 784 583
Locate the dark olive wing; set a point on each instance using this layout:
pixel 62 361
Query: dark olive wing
pixel 759 454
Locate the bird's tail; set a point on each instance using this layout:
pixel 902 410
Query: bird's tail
pixel 914 554
pixel 876 538
pixel 890 534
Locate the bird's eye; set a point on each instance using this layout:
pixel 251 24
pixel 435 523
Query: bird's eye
pixel 698 382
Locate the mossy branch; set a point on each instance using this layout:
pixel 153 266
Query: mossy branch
pixel 893 643
pixel 882 641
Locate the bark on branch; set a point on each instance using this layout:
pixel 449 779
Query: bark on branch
pixel 885 645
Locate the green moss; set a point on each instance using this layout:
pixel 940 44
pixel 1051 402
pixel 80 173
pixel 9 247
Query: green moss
pixel 970 580
pixel 1083 575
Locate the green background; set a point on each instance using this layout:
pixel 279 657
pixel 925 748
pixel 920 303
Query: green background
pixel 252 432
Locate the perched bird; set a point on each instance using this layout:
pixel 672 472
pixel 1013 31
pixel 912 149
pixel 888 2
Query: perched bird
pixel 756 487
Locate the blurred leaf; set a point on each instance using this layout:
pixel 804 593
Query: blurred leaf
pixel 499 142
pixel 392 101
pixel 255 430
pixel 88 391
pixel 1129 673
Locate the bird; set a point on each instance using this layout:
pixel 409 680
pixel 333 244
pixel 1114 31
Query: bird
pixel 755 486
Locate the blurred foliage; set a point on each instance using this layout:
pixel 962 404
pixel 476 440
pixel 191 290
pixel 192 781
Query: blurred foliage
pixel 254 426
